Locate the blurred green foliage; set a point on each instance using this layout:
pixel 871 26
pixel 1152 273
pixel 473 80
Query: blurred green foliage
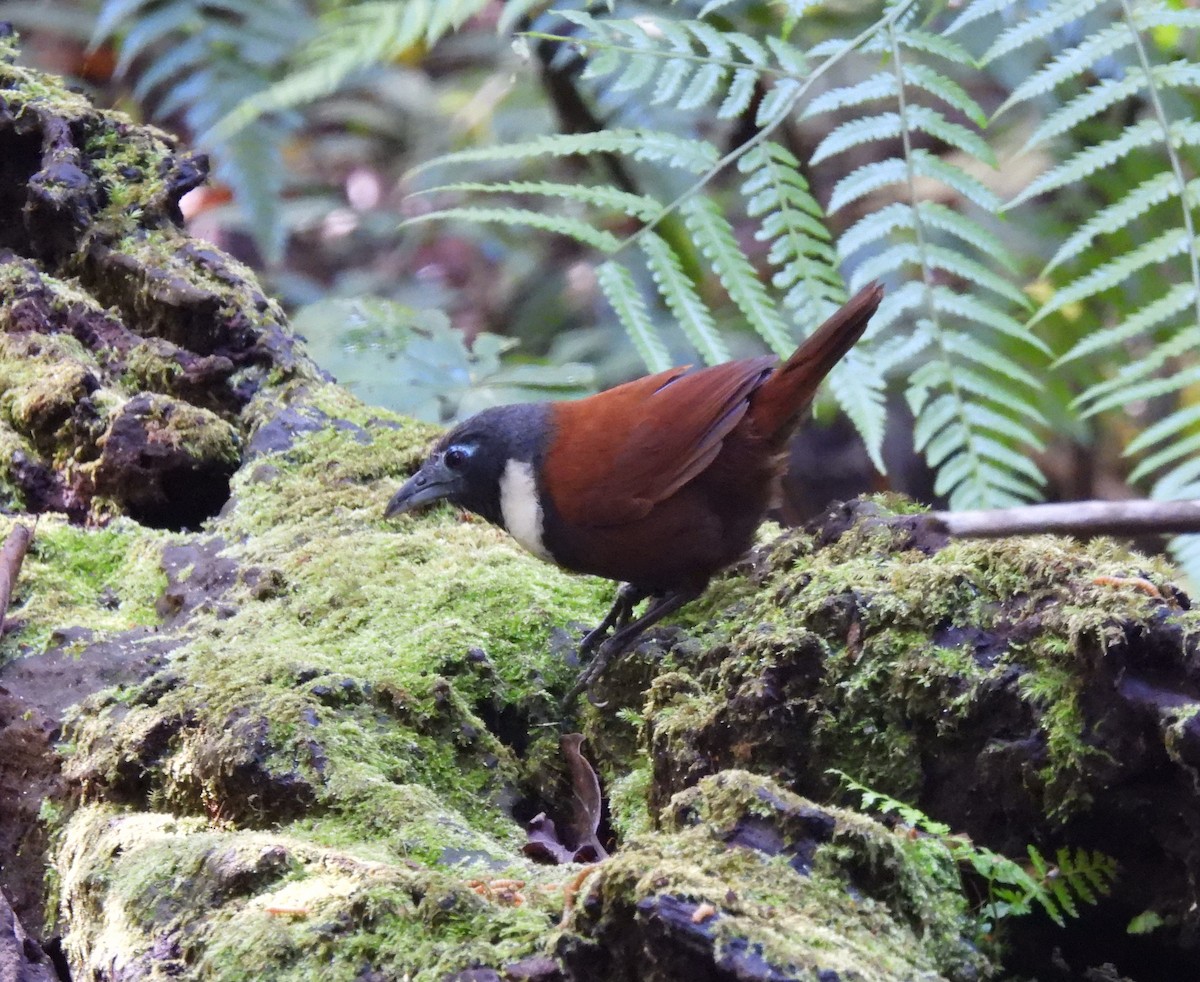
pixel 414 362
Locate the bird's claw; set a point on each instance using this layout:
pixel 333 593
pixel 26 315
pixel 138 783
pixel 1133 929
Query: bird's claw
pixel 589 677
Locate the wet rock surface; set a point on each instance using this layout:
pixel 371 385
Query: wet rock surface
pixel 21 957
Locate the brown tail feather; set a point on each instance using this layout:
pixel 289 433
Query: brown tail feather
pixel 779 401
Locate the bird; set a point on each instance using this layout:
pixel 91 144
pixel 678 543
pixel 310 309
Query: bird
pixel 658 483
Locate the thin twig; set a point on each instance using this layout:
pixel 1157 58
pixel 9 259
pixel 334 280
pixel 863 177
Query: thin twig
pixel 1125 518
pixel 11 557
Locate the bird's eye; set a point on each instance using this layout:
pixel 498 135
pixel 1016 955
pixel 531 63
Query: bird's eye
pixel 455 457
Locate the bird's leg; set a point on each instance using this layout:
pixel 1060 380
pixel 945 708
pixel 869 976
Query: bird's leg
pixel 628 597
pixel 623 639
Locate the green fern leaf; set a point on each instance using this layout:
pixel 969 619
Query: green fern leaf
pixel 778 102
pixel 1038 26
pixel 715 239
pixel 1083 164
pixel 800 252
pixel 150 28
pixel 952 134
pixel 702 88
pixel 975 191
pixel 1120 395
pixel 695 156
pixel 866 180
pixel 1178 298
pixel 1179 447
pixel 972 308
pixel 975 11
pixel 352 39
pixel 669 81
pixel 946 89
pixel 623 296
pixel 1069 64
pixel 1107 93
pixel 640 206
pixel 935 215
pixel 875 227
pixel 1172 485
pixel 684 302
pixel 1167 428
pixel 573 228
pixel 857 387
pixel 750 49
pixel 1172 242
pixel 855 132
pixel 960 265
pixel 789 58
pixel 880 86
pixel 739 95
pixel 1129 207
pixel 936 44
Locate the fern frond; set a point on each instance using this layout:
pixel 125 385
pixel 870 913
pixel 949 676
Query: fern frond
pixel 800 249
pixel 640 206
pixel 205 59
pixel 1185 447
pixel 975 404
pixel 714 237
pixel 681 298
pixel 944 89
pixel 1055 15
pixel 854 132
pixel 873 89
pixel 694 156
pixel 857 386
pixel 1173 242
pixel 623 296
pixel 1154 314
pixel 1119 392
pixel 1127 209
pixel 1088 161
pixel 1180 421
pixel 685 61
pixel 1108 92
pixel 351 39
pixel 1070 64
pixel 574 228
pixel 866 180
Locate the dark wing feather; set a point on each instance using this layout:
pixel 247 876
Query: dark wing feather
pixel 611 459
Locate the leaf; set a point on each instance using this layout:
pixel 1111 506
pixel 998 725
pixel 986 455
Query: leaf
pixel 695 156
pixel 1170 243
pixel 626 300
pixel 866 180
pixel 681 297
pixel 573 228
pixel 600 196
pixel 1037 26
pixel 714 237
pixel 1126 209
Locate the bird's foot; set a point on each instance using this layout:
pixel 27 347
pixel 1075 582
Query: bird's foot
pixel 591 674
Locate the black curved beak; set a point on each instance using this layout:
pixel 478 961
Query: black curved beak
pixel 433 482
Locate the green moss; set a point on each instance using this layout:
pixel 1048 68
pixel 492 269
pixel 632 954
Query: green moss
pixel 895 633
pixel 629 801
pixel 151 365
pixel 863 908
pixel 106 580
